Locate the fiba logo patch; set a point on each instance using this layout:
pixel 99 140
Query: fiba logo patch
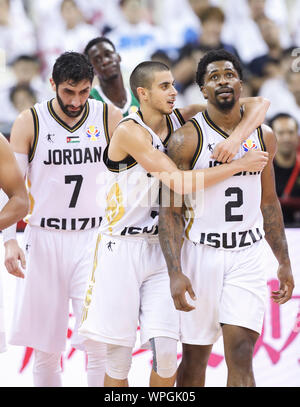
pixel 93 133
pixel 249 145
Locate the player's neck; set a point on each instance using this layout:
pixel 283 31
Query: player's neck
pixel 155 120
pixel 115 91
pixel 226 120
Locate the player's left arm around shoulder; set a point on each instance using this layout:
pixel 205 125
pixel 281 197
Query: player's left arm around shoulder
pixel 273 222
pixel 114 117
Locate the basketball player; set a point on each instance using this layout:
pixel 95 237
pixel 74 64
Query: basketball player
pixel 59 144
pixel 102 54
pixel 129 281
pixel 220 261
pixel 110 89
pixel 14 204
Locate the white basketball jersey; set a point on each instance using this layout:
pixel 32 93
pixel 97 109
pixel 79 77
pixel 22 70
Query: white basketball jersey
pixel 63 167
pixel 230 216
pixel 132 195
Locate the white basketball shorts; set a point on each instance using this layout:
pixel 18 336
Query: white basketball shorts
pixel 58 264
pixel 129 286
pixel 230 288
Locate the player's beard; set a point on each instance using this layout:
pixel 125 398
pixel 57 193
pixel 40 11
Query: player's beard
pixel 225 105
pixel 64 108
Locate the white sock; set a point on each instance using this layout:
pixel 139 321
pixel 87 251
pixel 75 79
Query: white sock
pixel 96 353
pixel 46 369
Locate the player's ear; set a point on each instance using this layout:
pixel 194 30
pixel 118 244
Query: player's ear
pixel 203 90
pixel 53 86
pixel 142 93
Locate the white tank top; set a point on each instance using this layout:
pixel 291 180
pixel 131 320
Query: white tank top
pixel 64 164
pixel 132 195
pixel 228 216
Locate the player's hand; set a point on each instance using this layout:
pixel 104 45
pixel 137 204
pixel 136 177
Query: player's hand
pixel 226 150
pixel 14 257
pixel 180 284
pixel 255 160
pixel 286 284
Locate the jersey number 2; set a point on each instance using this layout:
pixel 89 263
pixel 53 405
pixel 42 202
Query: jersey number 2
pixel 233 204
pixel 78 180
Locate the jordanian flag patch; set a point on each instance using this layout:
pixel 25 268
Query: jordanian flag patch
pixel 73 139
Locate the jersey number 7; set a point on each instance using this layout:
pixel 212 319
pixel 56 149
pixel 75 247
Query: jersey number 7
pixel 78 182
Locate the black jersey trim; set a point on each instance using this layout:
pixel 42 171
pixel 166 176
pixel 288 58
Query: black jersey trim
pixel 65 125
pixel 261 139
pixel 200 142
pixel 105 122
pixel 169 126
pixel 118 166
pixel 36 133
pixel 170 130
pixel 213 125
pixel 179 116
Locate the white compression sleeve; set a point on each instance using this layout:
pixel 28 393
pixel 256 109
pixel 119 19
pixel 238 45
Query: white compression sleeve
pixel 10 233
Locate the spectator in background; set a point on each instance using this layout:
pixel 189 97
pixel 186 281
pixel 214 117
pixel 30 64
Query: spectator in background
pixel 136 39
pixel 71 34
pixel 182 23
pixel 17 34
pixel 212 21
pixel 109 86
pixel 267 65
pixel 22 97
pixel 287 166
pixel 24 72
pixel 241 28
pixel 283 90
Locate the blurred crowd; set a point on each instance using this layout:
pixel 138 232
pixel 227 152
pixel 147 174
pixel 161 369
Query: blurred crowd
pixel 264 34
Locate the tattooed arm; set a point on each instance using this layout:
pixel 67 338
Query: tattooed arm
pixel 273 223
pixel 181 149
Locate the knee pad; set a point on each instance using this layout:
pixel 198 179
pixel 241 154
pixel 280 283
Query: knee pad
pixel 96 353
pixel 164 356
pixel 49 362
pixel 118 361
pixel 46 369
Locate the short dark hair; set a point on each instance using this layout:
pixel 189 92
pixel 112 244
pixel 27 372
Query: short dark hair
pixel 26 58
pixel 212 13
pixel 21 87
pixel 282 115
pixel 217 55
pixel 72 66
pixel 95 41
pixel 142 75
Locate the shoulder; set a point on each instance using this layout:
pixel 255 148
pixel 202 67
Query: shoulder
pixel 131 136
pixel 190 111
pixel 269 139
pixel 131 129
pixel 183 142
pixel 24 120
pixel 23 129
pixel 114 111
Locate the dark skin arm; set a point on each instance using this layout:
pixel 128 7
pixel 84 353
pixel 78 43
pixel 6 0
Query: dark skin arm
pixel 274 225
pixel 181 149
